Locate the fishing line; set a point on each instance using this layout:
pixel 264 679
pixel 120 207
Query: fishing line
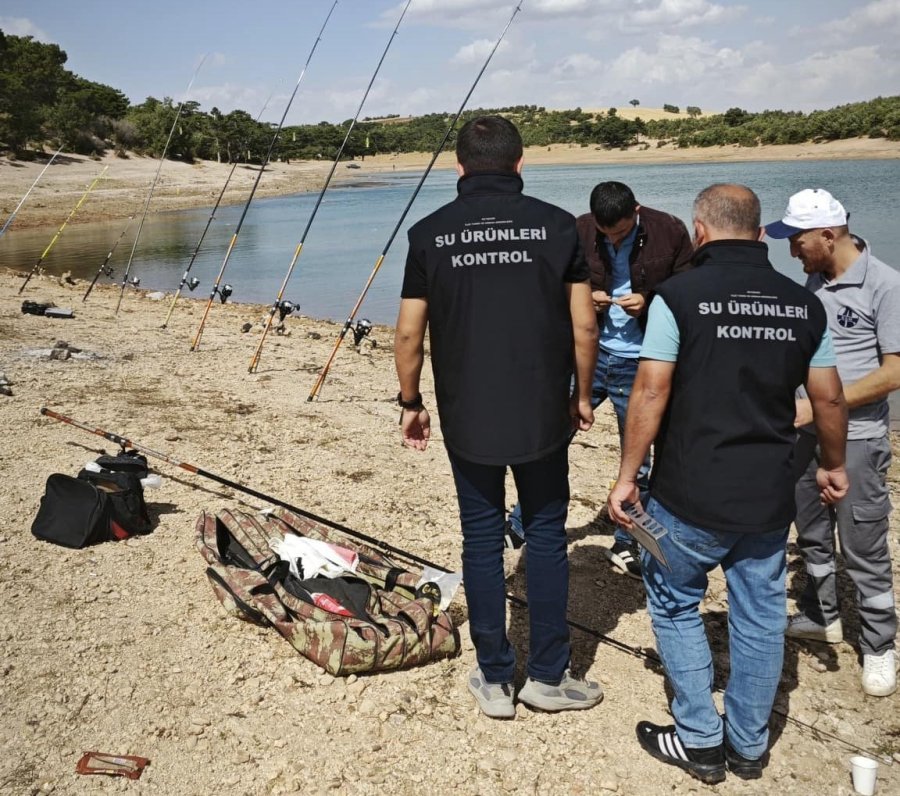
pixel 60 230
pixel 103 266
pixel 279 304
pixel 162 159
pixel 635 651
pixel 321 379
pixel 37 180
pixel 186 279
pixel 226 291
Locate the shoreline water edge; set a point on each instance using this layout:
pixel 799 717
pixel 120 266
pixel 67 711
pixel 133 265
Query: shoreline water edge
pixel 123 190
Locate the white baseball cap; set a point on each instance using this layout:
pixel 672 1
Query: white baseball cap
pixel 813 208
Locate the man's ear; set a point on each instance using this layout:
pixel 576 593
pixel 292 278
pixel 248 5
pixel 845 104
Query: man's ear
pixel 459 169
pixel 761 234
pixel 519 164
pixel 699 233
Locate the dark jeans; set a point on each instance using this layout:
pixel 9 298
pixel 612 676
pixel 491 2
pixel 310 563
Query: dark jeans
pixel 613 379
pixel 543 488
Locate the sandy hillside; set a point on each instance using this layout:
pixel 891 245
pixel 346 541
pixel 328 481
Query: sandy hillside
pixel 122 647
pixel 626 111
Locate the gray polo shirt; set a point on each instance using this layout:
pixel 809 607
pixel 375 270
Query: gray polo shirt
pixel 863 307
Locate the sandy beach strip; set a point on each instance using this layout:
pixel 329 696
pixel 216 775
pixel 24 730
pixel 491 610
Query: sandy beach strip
pixel 124 189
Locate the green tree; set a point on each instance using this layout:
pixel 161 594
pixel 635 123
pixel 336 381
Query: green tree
pixel 734 117
pixel 83 114
pixel 30 76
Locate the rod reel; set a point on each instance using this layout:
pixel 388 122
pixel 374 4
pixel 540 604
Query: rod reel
pixel 285 308
pixel 134 282
pixel 107 270
pixel 361 331
pixel 224 292
pixel 192 283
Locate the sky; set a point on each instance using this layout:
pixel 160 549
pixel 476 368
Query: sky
pixel 757 55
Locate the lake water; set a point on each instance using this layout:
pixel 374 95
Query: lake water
pixel 354 223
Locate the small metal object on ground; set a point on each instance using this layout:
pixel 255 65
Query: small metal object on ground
pixel 129 766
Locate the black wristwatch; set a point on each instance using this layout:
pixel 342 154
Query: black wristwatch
pixel 414 405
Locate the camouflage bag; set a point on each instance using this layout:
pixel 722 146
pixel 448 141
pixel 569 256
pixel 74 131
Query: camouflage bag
pixel 376 622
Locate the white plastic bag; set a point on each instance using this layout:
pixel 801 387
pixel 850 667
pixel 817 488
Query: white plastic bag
pixel 315 558
pixel 446 582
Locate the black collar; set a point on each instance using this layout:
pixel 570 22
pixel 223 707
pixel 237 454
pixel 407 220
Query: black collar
pixel 483 182
pixel 733 252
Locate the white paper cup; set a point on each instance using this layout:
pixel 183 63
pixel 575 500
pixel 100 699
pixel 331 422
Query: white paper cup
pixel 864 771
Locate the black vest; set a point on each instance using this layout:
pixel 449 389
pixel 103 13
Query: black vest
pixel 747 334
pixel 494 266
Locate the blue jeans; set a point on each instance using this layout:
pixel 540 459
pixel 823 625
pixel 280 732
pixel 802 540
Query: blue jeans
pixel 613 379
pixel 754 567
pixel 543 487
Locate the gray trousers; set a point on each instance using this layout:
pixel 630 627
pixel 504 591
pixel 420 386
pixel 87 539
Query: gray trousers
pixel 862 520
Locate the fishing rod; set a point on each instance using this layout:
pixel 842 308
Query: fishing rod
pixel 286 307
pixel 37 180
pixel 60 230
pixel 226 290
pixel 186 279
pixel 162 159
pixel 348 323
pixel 648 655
pixel 104 269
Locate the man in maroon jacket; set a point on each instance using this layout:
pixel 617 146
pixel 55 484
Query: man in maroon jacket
pixel 630 249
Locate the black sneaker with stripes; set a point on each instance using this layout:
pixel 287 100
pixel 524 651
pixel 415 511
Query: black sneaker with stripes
pixel 663 743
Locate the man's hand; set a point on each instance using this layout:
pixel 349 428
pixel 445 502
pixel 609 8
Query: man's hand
pixel 633 304
pixel 602 300
pixel 415 428
pixel 804 413
pixel 582 414
pixel 833 484
pixel 624 491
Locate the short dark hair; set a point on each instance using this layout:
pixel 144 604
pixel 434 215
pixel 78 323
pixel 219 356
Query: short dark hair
pixel 488 143
pixel 729 208
pixel 611 202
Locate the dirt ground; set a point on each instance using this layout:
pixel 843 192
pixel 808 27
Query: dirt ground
pixel 122 647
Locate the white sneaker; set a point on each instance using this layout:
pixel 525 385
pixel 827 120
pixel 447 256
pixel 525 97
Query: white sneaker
pixel 494 699
pixel 879 677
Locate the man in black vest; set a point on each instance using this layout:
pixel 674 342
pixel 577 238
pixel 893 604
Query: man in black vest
pixel 499 280
pixel 727 345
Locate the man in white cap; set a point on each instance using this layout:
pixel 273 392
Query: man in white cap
pixel 862 298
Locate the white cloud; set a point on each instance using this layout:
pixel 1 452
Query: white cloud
pixel 577 66
pixel 666 14
pixel 879 18
pixel 477 52
pixel 20 26
pixel 820 80
pixel 677 60
pixel 568 7
pixel 228 96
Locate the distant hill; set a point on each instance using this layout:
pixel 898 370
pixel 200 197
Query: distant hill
pixel 645 114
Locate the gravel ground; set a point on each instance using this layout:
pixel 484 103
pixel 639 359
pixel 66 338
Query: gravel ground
pixel 123 648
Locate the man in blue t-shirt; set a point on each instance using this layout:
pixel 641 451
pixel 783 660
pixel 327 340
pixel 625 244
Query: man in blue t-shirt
pixel 726 347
